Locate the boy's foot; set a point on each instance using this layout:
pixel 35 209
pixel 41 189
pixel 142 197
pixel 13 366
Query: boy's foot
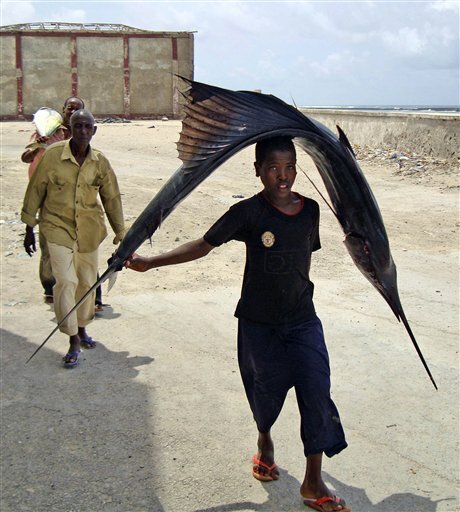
pixel 264 472
pixel 49 299
pixel 264 467
pixel 317 496
pixel 327 504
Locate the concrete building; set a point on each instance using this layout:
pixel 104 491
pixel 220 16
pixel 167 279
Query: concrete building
pixel 117 70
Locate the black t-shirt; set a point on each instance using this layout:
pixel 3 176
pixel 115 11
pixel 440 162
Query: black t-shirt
pixel 276 286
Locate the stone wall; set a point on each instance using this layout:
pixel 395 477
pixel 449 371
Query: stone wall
pixel 434 135
pixel 125 74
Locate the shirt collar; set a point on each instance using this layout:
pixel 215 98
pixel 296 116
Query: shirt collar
pixel 67 153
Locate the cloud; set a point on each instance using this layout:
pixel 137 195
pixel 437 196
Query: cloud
pixel 12 15
pixel 445 5
pixel 406 41
pixel 328 52
pixel 430 46
pixel 352 23
pixel 76 15
pixel 336 64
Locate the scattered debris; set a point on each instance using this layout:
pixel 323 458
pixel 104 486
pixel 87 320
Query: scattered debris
pixel 15 303
pixel 113 120
pixel 412 165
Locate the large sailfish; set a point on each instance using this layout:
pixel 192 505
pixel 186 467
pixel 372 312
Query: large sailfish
pixel 219 123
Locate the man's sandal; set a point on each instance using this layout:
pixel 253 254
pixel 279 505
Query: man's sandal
pixel 71 359
pixel 87 343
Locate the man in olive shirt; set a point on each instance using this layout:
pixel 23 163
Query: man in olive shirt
pixel 32 155
pixel 64 188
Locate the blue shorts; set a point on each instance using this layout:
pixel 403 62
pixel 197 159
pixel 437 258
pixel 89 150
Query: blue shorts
pixel 273 359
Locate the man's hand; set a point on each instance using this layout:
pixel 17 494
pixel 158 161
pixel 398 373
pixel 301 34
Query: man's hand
pixel 29 241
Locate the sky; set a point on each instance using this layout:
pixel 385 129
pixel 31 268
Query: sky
pixel 312 53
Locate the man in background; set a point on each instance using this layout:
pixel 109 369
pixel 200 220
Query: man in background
pixel 65 188
pixel 32 156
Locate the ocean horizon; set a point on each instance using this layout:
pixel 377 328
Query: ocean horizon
pixel 440 109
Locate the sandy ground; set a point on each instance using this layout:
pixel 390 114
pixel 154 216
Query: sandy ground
pixel 155 419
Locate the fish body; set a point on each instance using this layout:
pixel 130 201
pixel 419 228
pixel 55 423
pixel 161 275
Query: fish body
pixel 47 121
pixel 219 123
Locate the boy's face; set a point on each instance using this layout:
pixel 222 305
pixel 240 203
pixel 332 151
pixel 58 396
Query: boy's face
pixel 82 128
pixel 72 104
pixel 277 173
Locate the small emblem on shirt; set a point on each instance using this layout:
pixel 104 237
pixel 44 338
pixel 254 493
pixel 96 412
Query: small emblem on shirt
pixel 268 239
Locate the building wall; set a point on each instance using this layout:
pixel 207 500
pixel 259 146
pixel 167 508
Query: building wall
pixel 45 72
pixel 100 73
pixel 428 134
pixel 125 74
pixel 8 79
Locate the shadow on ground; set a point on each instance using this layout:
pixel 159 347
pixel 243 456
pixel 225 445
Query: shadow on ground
pixel 82 440
pixel 283 496
pixel 75 439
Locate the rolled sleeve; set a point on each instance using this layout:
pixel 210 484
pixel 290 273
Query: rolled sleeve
pixel 119 236
pixel 28 219
pixel 111 200
pixel 34 196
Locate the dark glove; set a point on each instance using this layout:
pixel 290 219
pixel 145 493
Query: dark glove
pixel 29 241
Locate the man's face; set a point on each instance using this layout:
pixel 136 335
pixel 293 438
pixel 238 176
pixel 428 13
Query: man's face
pixel 82 128
pixel 72 104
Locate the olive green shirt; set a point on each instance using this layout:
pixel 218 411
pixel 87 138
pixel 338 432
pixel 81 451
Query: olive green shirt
pixel 64 197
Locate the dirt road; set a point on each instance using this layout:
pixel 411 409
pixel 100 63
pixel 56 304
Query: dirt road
pixel 155 419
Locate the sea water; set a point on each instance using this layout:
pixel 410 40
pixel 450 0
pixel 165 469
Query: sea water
pixel 440 109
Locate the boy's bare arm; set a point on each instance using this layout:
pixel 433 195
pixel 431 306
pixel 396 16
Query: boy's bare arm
pixel 28 155
pixel 187 252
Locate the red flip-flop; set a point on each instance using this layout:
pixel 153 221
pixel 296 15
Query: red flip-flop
pixel 272 475
pixel 318 503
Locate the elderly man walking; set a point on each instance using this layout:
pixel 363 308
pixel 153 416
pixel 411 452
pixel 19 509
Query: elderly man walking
pixel 65 188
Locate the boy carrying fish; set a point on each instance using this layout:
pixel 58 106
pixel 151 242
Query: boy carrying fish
pixel 280 338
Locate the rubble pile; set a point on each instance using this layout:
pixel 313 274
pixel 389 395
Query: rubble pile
pixel 113 120
pixel 411 165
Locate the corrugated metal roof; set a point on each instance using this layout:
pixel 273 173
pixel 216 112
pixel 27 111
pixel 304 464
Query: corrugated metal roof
pixel 64 26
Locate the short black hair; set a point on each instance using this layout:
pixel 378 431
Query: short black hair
pixel 76 98
pixel 279 143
